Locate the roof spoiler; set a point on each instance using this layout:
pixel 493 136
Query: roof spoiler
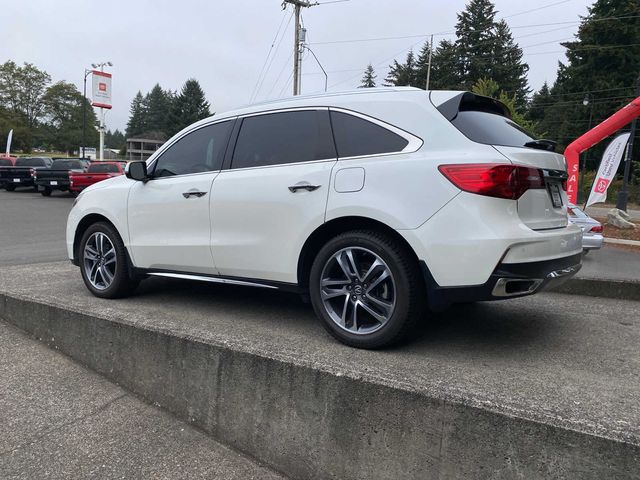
pixel 468 101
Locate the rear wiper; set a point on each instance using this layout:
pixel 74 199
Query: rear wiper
pixel 542 144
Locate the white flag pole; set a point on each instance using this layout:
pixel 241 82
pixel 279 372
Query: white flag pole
pixel 9 138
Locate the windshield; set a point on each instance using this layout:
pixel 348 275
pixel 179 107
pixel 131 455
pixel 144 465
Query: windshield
pixel 103 168
pixel 30 162
pixel 491 128
pixel 67 165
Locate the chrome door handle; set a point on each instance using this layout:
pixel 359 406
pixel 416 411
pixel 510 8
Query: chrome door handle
pixel 303 186
pixel 193 193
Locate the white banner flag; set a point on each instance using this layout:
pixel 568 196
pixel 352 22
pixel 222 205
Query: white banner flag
pixel 9 138
pixel 101 89
pixel 608 169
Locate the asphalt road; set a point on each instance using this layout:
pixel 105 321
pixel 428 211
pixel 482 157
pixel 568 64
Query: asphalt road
pixel 32 227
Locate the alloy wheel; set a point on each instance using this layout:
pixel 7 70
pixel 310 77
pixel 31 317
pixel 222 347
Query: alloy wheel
pixel 358 290
pixel 100 261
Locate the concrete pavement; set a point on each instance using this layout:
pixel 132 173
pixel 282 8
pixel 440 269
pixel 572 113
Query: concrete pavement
pixel 567 366
pixel 60 421
pixel 600 211
pixel 611 263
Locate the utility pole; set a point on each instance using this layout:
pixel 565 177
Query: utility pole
pixel 429 64
pixel 297 47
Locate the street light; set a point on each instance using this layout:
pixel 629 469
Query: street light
pixel 586 101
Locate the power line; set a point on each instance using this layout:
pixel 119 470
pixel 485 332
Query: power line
pixel 536 9
pixel 257 91
pixel 279 74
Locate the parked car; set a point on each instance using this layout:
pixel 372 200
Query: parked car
pixel 57 177
pixel 96 172
pixel 592 238
pixel 22 173
pixel 375 203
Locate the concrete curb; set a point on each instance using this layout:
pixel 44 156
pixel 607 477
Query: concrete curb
pixel 622 241
pixel 312 424
pixel 600 287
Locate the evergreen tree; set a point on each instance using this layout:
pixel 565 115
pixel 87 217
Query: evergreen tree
pixel 508 69
pixel 445 73
pixel 403 75
pixel 603 63
pixel 369 78
pixel 158 106
pixel 539 103
pixel 115 139
pixel 189 106
pixel 137 117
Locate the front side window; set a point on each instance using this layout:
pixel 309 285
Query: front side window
pixel 199 151
pixel 281 138
pixel 356 136
pixel 5 163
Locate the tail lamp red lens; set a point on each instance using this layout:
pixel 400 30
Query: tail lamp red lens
pixel 493 180
pixel 32 171
pixel 597 229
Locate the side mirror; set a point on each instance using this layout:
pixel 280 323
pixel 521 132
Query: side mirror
pixel 136 171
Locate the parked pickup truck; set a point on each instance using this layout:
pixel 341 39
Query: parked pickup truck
pixel 57 177
pixel 22 173
pixel 97 172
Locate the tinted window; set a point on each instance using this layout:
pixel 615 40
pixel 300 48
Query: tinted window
pixel 103 168
pixel 31 162
pixel 198 151
pixel 5 163
pixel 287 137
pixel 490 128
pixel 356 136
pixel 67 165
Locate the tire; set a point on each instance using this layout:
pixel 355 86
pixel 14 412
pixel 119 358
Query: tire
pixel 387 309
pixel 114 282
pixel 10 188
pixel 73 193
pixel 46 192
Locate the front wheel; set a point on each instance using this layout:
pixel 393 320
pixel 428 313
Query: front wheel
pixel 367 289
pixel 103 262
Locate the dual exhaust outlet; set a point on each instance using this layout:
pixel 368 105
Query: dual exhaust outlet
pixel 511 287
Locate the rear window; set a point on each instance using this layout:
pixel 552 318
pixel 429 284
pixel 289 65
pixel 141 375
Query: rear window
pixel 491 128
pixel 356 136
pixel 5 163
pixel 67 165
pixel 103 168
pixel 31 162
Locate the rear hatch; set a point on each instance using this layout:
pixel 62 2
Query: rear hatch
pixel 488 121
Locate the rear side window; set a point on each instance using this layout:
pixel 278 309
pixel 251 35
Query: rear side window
pixel 197 152
pixel 31 162
pixel 5 163
pixel 67 165
pixel 356 136
pixel 281 138
pixel 103 168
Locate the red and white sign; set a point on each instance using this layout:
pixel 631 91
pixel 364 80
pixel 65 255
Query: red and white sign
pixel 608 168
pixel 101 89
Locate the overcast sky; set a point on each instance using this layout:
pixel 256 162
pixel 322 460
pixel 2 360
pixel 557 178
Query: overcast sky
pixel 224 43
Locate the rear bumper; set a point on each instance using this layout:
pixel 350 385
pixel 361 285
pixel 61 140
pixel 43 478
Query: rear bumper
pixel 508 280
pixel 23 182
pixel 60 184
pixel 592 242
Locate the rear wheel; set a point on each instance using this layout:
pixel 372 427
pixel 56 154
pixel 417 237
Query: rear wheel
pixel 367 289
pixel 10 188
pixel 46 192
pixel 104 262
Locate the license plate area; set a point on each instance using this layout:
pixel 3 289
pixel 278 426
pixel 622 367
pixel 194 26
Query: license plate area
pixel 16 180
pixel 53 182
pixel 554 193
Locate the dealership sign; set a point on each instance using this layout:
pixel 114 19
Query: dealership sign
pixel 608 168
pixel 101 89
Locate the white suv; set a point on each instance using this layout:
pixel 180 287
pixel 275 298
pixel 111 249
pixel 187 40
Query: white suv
pixel 377 203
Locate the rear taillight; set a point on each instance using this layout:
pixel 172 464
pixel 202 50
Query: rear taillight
pixel 493 180
pixel 597 229
pixel 32 171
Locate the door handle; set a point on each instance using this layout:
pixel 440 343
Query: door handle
pixel 303 186
pixel 193 193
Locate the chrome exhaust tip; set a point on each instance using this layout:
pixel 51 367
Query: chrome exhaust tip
pixel 510 287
